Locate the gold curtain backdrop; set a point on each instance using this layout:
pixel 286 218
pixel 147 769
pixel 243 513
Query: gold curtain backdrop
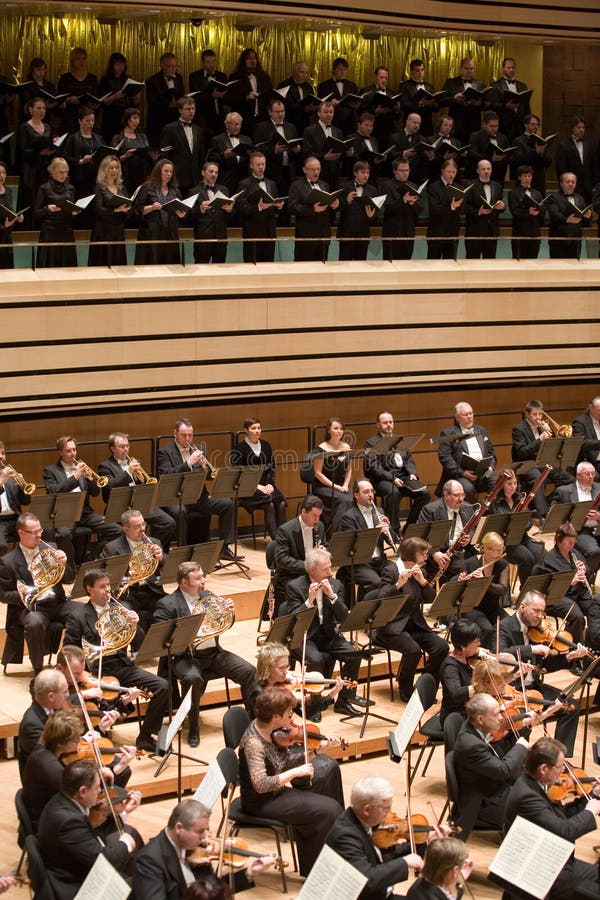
pixel 142 40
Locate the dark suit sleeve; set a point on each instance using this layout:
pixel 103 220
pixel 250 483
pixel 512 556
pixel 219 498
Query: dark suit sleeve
pixel 447 455
pixel 536 809
pixel 8 585
pixel 284 557
pixel 522 447
pixel 296 596
pixel 348 843
pixel 57 483
pixel 75 627
pixel 165 464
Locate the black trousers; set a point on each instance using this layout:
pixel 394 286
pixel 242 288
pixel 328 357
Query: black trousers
pixel 411 640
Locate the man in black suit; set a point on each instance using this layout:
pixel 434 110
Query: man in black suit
pixel 587 426
pixel 315 142
pixel 200 663
pixel 487 143
pixel 514 638
pixel 584 489
pixel 183 456
pixel 258 215
pixel 68 843
pixel 528 798
pixel 366 147
pixel 163 90
pixel 527 217
pixel 356 214
pixel 12 499
pixel 510 110
pixel 351 838
pixel 447 147
pixel 30 622
pixel 210 222
pixel 444 214
pixel 485 771
pixel 340 86
pixel 295 538
pixel 400 213
pixel 386 111
pixel 578 155
pixel 406 147
pixel 186 145
pixel 568 217
pixel 527 438
pixel 50 690
pixel 483 206
pixel 425 107
pixel 324 645
pixel 460 440
pixel 122 471
pixel 281 162
pixel 70 475
pixel 390 474
pixel 208 97
pixel 466 113
pixel 298 109
pixel 363 514
pixel 161 871
pixel 230 151
pixel 452 508
pixel 81 625
pixel 312 219
pixel 531 153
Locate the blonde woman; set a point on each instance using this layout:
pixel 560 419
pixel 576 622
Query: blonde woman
pixel 110 216
pixel 55 218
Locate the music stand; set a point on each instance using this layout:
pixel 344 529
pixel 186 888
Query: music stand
pixel 553 586
pixel 559 452
pixel 138 496
pixel 365 616
pixel 353 548
pixel 559 513
pixel 170 638
pixel 206 555
pixel 584 682
pixel 510 526
pixel 113 566
pixel 289 630
pixel 231 483
pixel 435 533
pixel 179 489
pixel 455 598
pixel 57 510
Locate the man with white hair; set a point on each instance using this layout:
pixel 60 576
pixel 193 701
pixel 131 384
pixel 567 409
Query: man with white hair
pixel 584 488
pixel 461 443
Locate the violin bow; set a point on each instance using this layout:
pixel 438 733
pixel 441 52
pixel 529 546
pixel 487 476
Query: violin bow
pixel 522 678
pixel 499 697
pixel 498 639
pixel 303 697
pixel 411 831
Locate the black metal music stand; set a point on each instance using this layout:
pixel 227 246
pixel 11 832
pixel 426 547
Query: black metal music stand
pixel 179 489
pixel 206 555
pixel 138 496
pixel 289 630
pixel 170 638
pixel 353 548
pixel 435 533
pixel 233 483
pixel 584 681
pixel 114 566
pixel 553 586
pixel 510 526
pixel 559 452
pixel 455 598
pixel 559 513
pixel 365 616
pixel 57 510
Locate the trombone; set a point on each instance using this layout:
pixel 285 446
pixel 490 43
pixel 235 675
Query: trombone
pixel 27 486
pixel 101 480
pixel 563 431
pixel 141 473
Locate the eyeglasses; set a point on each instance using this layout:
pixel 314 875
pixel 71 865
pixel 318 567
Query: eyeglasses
pixel 37 533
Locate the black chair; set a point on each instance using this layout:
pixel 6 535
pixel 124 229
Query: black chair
pixel 25 826
pixel 432 730
pixel 238 819
pixel 36 869
pixel 235 722
pixel 452 725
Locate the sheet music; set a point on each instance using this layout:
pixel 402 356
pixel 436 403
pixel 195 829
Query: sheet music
pixel 332 878
pixel 211 786
pixel 531 857
pixel 103 882
pixel 407 725
pixel 178 718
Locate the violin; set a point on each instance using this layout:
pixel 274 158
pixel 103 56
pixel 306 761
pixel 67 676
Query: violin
pixel 312 683
pixel 289 735
pixel 90 750
pixel 570 784
pixel 236 853
pixel 110 687
pixel 101 810
pixel 396 828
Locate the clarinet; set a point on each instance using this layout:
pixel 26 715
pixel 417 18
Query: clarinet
pixel 388 531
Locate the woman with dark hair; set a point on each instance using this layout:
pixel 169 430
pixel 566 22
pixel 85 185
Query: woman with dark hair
pixel 6 222
pixel 34 147
pixel 456 672
pixel 114 106
pixel 110 215
pixel 78 150
pixel 445 869
pixel 255 451
pixel 134 150
pixel 333 474
pixel 250 94
pixel 157 224
pixel 56 218
pixel 528 553
pixel 36 74
pixel 266 775
pixel 75 83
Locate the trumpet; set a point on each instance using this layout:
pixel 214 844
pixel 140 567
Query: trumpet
pixel 27 486
pixel 101 480
pixel 205 462
pixel 565 431
pixel 141 473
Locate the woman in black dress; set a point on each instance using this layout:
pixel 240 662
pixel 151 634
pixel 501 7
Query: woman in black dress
pixel 76 82
pixel 78 150
pixel 157 224
pixel 254 451
pixel 456 672
pixel 114 106
pixel 110 215
pixel 134 150
pixel 528 553
pixel 333 473
pixel 489 561
pixel 36 74
pixel 55 218
pixel 35 147
pixel 6 222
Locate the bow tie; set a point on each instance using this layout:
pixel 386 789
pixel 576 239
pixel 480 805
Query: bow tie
pixel 509 81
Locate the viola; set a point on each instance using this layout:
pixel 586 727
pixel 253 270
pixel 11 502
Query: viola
pixel 235 854
pixel 294 734
pixel 396 828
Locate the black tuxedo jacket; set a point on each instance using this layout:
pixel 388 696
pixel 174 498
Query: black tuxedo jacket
pixel 467 118
pixel 384 468
pixel 488 225
pixel 174 606
pixel 351 519
pixel 295 110
pixel 559 209
pixel 569 160
pixel 257 223
pixel 567 493
pixel 169 461
pixel 418 164
pixel 483 148
pixel 443 220
pixel 209 116
pixel 187 162
pixel 231 168
pixel 408 104
pixel 58 482
pixel 344 115
pixel 158 98
pixel 308 222
pixel 512 121
pixel 511 640
pixel 450 452
pixel 289 548
pixel 267 135
pixel 519 204
pixel 525 444
pixel 583 426
pixel 333 613
pixel 236 98
pixel 349 838
pixel 15 496
pixel 353 221
pixel 117 477
pixel 313 144
pixel 436 512
pixel 214 222
pixel 400 219
pixel 30 728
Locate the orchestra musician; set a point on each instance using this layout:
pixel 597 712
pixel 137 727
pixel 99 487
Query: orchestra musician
pixel 49 692
pixel 267 771
pixel 587 426
pixel 489 561
pixel 122 470
pixel 81 625
pixel 294 539
pixel 332 473
pixel 452 507
pixel 456 671
pixel 445 867
pixel 529 552
pixel 207 659
pixel 31 622
pixel 576 603
pixel 253 450
pixel 584 489
pixel 12 499
pixel 529 799
pixel 162 871
pixel 465 439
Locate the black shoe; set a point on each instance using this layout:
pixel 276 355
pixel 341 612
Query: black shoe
pixel 227 553
pixel 193 739
pixel 316 718
pixel 577 667
pixel 145 742
pixel 345 708
pixel 361 701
